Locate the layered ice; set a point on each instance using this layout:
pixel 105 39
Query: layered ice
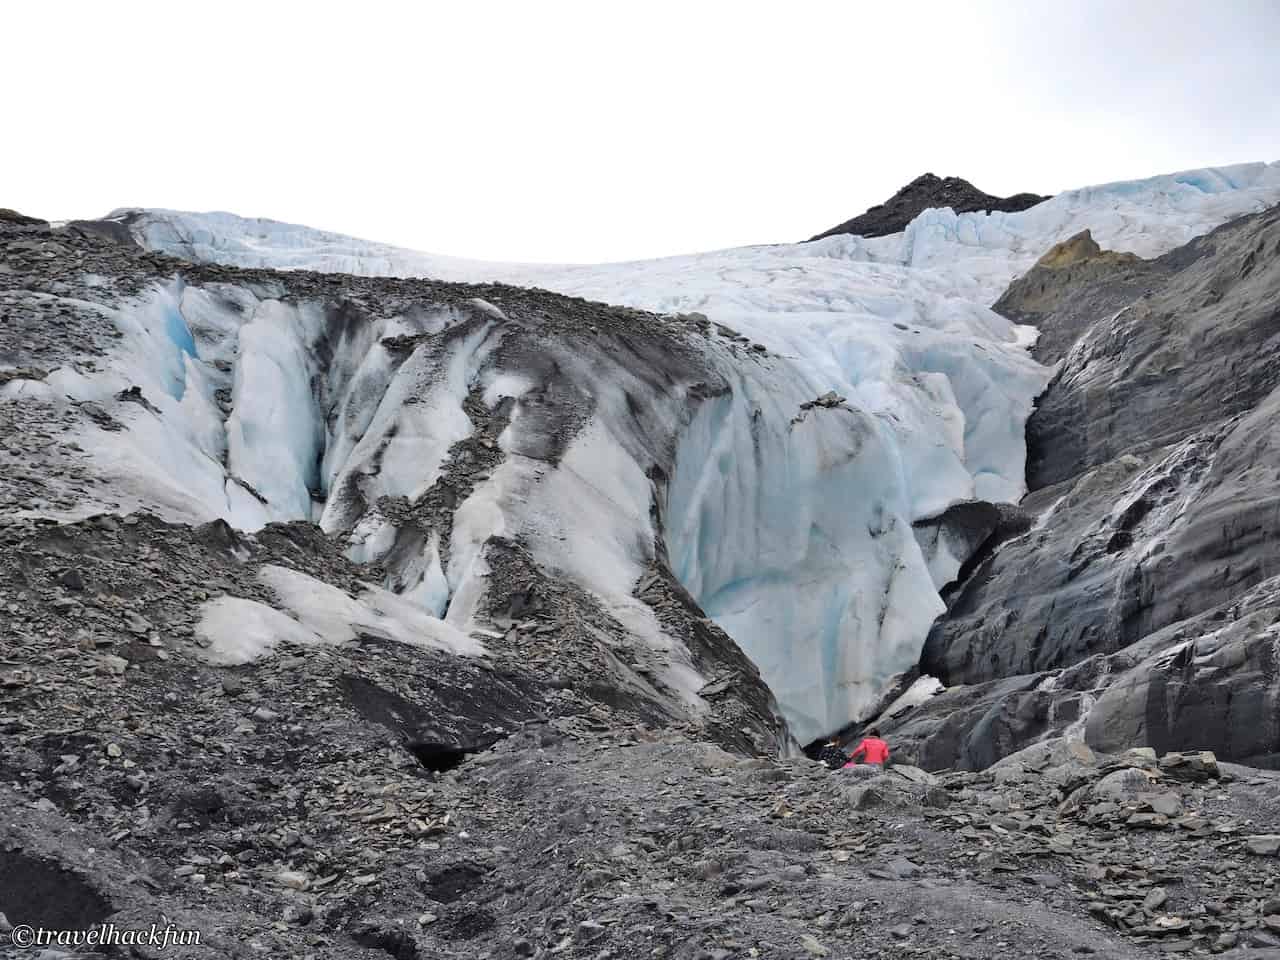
pixel 794 534
pixel 789 521
pixel 898 324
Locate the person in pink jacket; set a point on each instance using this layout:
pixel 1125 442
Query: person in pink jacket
pixel 872 750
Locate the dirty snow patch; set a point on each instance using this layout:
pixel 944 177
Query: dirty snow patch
pixel 240 631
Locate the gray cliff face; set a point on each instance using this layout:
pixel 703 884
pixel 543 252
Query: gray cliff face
pixel 1154 471
pixel 1073 285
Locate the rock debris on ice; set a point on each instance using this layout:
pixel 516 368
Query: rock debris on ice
pixel 789 521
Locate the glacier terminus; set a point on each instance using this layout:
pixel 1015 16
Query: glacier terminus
pixel 790 449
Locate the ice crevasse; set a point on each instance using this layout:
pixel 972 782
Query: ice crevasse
pixel 791 522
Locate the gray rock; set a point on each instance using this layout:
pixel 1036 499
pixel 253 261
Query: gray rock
pixel 1050 881
pixel 1072 285
pixel 1123 784
pixel 1009 773
pixel 935 796
pixel 72 579
pixel 862 798
pixel 114 665
pixel 861 771
pixel 1147 821
pixel 1263 845
pixel 1197 766
pixel 913 774
pixel 707 869
pixel 293 878
pixel 1167 804
pixel 903 868
pixel 138 624
pixel 813 947
pixel 1225 941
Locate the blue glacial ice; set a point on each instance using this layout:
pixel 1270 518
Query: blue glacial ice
pixel 791 527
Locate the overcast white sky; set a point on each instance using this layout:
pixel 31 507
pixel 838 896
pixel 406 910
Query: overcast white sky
pixel 551 131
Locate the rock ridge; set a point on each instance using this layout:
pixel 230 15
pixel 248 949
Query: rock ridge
pixel 924 192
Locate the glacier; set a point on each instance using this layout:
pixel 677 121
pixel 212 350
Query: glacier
pixel 239 631
pixel 790 518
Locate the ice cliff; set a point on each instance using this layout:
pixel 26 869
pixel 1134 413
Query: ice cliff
pixel 837 393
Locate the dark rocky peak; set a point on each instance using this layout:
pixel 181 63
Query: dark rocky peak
pixel 925 192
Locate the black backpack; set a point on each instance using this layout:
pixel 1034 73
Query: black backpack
pixel 833 756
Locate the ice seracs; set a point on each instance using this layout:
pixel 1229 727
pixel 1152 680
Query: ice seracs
pixel 791 525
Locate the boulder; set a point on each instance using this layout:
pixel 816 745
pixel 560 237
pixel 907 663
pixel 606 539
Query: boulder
pixel 1124 784
pixel 1198 766
pixel 1263 845
pixel 860 798
pixel 1009 773
pixel 1166 804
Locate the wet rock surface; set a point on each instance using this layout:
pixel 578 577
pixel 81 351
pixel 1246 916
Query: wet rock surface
pixel 1141 603
pixel 922 193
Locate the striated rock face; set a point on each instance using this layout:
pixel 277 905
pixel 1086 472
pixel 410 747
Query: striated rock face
pixel 925 192
pixel 1139 605
pixel 1212 683
pixel 1071 286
